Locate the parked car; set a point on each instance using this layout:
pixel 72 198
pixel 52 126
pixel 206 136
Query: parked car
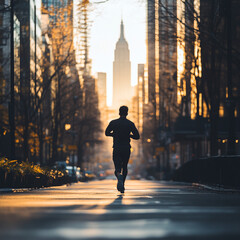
pixel 74 173
pixel 89 175
pixel 101 175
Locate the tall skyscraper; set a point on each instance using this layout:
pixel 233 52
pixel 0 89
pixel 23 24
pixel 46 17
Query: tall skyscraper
pixel 102 89
pixel 122 90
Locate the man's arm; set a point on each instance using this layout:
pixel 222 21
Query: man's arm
pixel 109 130
pixel 135 134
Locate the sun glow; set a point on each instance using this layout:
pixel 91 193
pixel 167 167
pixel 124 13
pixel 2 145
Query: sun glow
pixel 194 68
pixel 196 72
pixel 105 31
pixel 180 52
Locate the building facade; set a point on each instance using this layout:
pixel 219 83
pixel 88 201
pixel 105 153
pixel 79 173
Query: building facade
pixel 102 89
pixel 29 14
pixel 5 69
pixel 193 88
pixel 162 107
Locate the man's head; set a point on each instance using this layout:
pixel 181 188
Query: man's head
pixel 123 111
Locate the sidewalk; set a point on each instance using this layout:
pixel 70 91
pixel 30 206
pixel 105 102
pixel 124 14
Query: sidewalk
pixel 216 188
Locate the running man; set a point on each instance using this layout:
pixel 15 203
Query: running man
pixel 121 130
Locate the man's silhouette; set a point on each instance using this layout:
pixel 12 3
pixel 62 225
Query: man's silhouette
pixel 121 130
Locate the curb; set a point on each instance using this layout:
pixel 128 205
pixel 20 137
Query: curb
pixel 22 190
pixel 6 190
pixel 15 190
pixel 216 188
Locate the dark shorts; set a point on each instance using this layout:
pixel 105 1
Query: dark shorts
pixel 121 157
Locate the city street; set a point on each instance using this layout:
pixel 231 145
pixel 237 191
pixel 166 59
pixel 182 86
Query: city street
pixel 95 210
pixel 92 87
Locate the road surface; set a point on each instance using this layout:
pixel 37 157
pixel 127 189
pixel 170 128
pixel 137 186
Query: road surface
pixel 95 210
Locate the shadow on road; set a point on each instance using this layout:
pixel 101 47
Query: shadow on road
pixel 116 202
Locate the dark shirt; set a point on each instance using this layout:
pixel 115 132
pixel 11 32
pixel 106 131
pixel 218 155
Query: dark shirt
pixel 122 130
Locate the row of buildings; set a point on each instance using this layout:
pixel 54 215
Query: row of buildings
pixel 56 114
pixel 27 54
pixel 188 92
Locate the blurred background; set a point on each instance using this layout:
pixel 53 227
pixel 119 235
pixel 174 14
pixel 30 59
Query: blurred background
pixel 66 66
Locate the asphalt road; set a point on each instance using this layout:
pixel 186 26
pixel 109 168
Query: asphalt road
pixel 95 210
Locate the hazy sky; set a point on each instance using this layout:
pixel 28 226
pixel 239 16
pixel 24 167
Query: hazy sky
pixel 105 31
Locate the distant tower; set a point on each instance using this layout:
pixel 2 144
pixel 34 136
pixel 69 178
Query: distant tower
pixel 102 90
pixel 122 90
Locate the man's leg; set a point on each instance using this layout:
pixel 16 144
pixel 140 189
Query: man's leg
pixel 118 165
pixel 125 158
pixel 117 162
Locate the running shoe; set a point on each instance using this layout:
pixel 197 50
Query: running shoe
pixel 120 186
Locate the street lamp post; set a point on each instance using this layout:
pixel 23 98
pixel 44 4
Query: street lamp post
pixel 12 98
pixel 231 117
pixel 73 134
